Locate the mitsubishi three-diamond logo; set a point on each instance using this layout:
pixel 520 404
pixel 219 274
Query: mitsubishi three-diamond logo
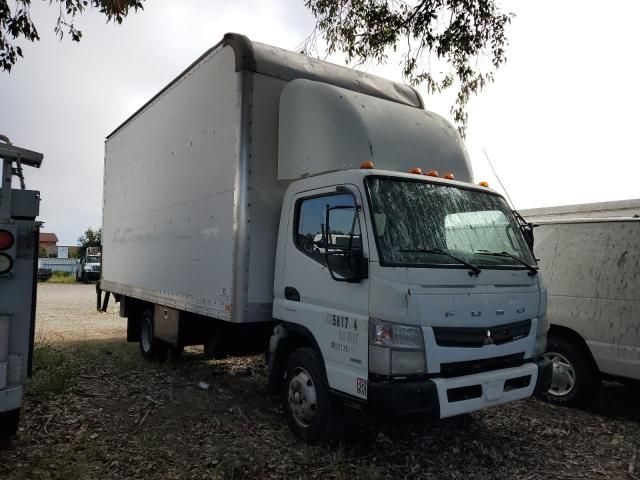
pixel 489 339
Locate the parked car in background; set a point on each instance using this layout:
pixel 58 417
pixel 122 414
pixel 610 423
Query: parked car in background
pixel 44 274
pixel 591 267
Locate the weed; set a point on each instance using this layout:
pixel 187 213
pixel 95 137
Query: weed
pixel 62 277
pixel 54 370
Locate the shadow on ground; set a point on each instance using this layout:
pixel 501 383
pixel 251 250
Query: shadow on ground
pixel 115 415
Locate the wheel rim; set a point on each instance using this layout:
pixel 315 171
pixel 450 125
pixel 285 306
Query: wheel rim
pixel 563 379
pixel 303 401
pixel 145 336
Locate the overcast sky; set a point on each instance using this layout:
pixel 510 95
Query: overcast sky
pixel 559 123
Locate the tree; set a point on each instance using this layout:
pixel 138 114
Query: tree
pixel 469 35
pixel 16 23
pixel 90 238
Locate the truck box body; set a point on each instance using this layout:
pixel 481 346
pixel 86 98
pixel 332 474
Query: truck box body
pixel 196 177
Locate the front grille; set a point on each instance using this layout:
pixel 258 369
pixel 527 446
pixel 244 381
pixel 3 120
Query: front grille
pixel 459 369
pixel 476 337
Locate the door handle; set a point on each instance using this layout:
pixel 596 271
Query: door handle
pixel 292 294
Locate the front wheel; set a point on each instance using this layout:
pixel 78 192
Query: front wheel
pixel 575 380
pixel 312 415
pixel 151 347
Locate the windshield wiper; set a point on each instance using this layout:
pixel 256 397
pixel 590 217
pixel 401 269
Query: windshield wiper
pixel 474 270
pixel 533 270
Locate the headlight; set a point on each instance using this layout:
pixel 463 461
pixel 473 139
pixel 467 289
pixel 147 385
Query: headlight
pixel 395 335
pixel 540 346
pixel 542 304
pixel 395 349
pixel 541 337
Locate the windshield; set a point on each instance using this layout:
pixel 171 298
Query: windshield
pixel 416 221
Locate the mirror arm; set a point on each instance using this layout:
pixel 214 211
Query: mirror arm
pixel 327 237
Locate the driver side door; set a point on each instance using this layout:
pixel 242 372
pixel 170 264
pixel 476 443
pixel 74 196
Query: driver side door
pixel 334 311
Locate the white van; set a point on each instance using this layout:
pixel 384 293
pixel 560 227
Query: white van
pixel 591 268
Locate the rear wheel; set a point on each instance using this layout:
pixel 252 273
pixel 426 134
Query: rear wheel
pixel 312 415
pixel 9 423
pixel 575 380
pixel 151 347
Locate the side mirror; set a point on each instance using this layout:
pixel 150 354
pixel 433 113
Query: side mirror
pixel 348 266
pixel 526 228
pixel 343 244
pixel 527 232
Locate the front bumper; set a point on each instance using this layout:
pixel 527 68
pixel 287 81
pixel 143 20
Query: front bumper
pixel 446 397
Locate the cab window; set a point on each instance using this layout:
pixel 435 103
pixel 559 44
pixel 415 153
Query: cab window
pixel 310 228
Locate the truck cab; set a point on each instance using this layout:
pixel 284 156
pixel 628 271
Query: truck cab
pixel 90 265
pixel 422 297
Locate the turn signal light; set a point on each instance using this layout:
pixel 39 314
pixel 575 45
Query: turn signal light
pixel 416 170
pixel 6 240
pixel 6 263
pixel 368 165
pixel 432 173
pixel 449 176
pixel 484 184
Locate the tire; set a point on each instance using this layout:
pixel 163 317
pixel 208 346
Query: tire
pixel 151 347
pixel 9 423
pixel 575 380
pixel 312 414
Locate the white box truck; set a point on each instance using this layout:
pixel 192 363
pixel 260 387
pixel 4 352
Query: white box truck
pixel 262 200
pixel 590 257
pixel 19 233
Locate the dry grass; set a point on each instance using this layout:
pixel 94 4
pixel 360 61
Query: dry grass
pixel 119 416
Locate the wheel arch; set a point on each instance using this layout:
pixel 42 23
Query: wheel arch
pixel 133 309
pixel 575 338
pixel 291 337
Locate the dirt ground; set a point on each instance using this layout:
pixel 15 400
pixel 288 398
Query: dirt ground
pixel 96 409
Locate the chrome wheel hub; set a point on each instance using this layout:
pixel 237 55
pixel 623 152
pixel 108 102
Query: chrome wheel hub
pixel 302 398
pixel 563 379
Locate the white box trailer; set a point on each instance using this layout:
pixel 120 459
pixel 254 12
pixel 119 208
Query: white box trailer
pixel 226 200
pixel 590 257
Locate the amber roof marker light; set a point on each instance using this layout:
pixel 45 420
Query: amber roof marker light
pixel 416 170
pixel 484 184
pixel 432 173
pixel 449 176
pixel 368 165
